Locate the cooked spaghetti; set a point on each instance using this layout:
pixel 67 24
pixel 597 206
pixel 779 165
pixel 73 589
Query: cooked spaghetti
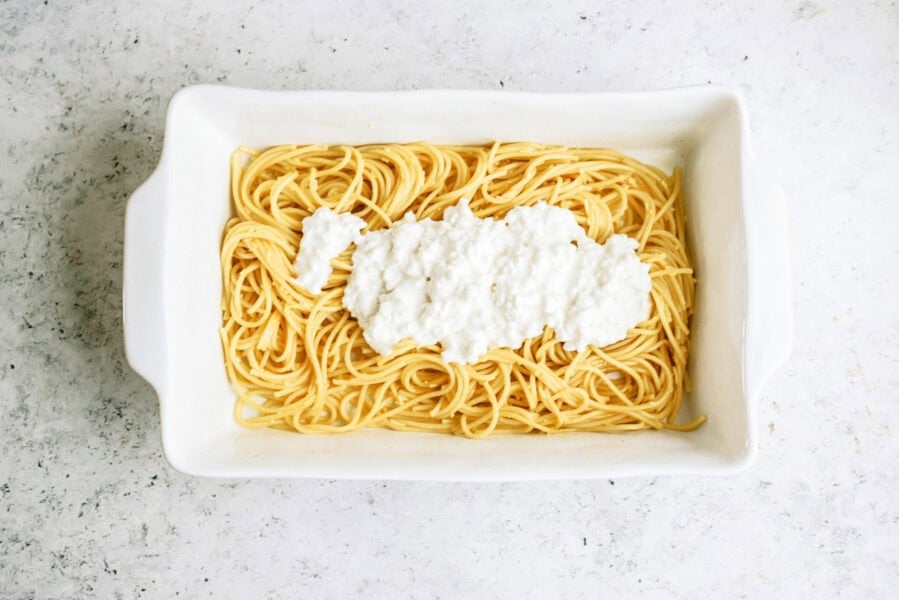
pixel 299 362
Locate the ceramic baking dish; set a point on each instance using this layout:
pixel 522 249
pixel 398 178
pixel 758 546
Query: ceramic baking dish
pixel 737 233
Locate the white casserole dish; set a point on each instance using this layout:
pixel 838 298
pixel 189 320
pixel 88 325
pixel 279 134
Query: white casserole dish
pixel 737 232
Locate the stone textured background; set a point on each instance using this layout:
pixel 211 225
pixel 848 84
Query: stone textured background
pixel 88 505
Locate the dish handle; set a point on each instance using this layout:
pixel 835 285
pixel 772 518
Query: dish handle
pixel 769 327
pixel 143 285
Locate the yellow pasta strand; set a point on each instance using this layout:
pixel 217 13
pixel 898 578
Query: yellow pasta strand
pixel 299 362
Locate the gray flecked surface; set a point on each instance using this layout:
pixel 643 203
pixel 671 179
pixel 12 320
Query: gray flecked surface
pixel 88 506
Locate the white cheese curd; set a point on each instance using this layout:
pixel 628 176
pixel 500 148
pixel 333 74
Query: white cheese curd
pixel 474 284
pixel 325 235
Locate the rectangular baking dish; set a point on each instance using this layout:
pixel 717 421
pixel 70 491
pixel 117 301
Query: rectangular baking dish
pixel 737 233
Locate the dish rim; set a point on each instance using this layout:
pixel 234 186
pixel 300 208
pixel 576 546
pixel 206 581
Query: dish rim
pixel 754 375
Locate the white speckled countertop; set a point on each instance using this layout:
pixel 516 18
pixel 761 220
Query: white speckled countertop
pixel 88 505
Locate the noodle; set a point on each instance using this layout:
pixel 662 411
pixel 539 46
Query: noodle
pixel 299 362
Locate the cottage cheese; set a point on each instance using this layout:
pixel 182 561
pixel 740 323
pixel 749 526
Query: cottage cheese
pixel 325 235
pixel 473 284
